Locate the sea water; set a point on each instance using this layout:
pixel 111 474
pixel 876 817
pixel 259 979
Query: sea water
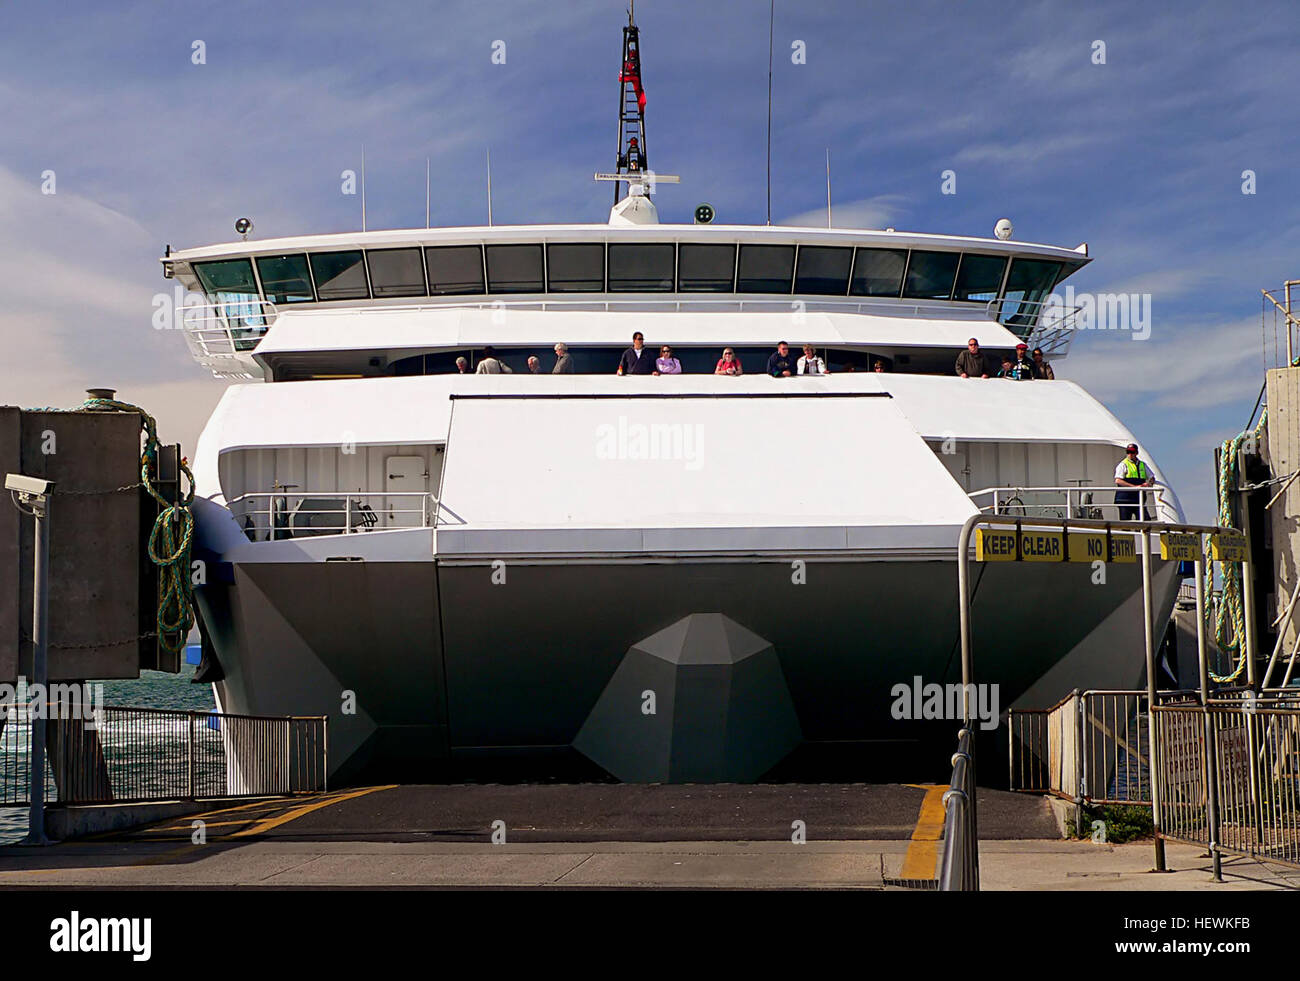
pixel 153 689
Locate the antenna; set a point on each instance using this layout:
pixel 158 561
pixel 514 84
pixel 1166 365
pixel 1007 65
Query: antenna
pixel 771 21
pixel 489 179
pixel 426 192
pixel 363 187
pixel 631 156
pixel 828 187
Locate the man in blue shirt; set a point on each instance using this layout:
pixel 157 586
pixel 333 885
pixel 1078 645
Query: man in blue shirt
pixel 780 364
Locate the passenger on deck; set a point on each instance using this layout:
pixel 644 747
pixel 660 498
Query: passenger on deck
pixel 490 364
pixel 666 364
pixel 780 364
pixel 972 362
pixel 534 366
pixel 462 365
pixel 729 364
pixel 1007 367
pixel 1042 366
pixel 1132 472
pixel 563 360
pixel 810 364
pixel 878 367
pixel 1022 369
pixel 636 359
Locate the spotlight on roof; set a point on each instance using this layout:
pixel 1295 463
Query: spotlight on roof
pixel 1003 229
pixel 703 214
pixel 243 226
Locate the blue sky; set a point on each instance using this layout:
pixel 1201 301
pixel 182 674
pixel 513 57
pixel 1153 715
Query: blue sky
pixel 1141 157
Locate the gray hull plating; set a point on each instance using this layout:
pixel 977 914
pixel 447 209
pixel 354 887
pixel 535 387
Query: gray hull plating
pixel 430 669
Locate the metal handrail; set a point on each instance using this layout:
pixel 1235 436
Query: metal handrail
pixel 338 512
pixel 959 860
pixel 740 303
pixel 1077 502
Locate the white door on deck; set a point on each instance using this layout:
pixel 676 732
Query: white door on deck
pixel 407 477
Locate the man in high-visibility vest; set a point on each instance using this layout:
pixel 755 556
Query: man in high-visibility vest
pixel 1131 472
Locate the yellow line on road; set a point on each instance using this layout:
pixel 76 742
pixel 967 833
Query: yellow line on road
pixel 923 852
pixel 266 824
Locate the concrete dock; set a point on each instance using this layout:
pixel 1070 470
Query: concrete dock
pixel 609 836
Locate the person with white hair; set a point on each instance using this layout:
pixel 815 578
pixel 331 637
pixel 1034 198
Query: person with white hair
pixel 563 360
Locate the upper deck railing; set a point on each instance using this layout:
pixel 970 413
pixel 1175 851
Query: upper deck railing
pixel 1156 503
pixel 222 336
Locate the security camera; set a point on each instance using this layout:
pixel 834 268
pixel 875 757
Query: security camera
pixel 243 226
pixel 28 485
pixel 1003 229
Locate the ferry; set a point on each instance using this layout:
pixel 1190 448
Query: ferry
pixel 473 567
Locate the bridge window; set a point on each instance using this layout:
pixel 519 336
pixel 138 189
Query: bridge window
pixel 285 278
pixel 396 272
pixel 577 268
pixel 878 272
pixel 641 268
pixel 340 275
pixel 930 275
pixel 1027 284
pixel 705 268
pixel 823 270
pixel 228 279
pixel 454 269
pixel 514 269
pixel 765 269
pixel 979 277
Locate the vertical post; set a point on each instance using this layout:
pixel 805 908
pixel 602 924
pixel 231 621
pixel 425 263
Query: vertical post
pixel 1080 783
pixel 40 668
pixel 1147 617
pixel 1211 758
pixel 1248 604
pixel 189 754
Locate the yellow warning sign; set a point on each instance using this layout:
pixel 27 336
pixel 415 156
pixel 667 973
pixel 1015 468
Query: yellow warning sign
pixel 996 545
pixel 1180 546
pixel 999 545
pixel 1228 547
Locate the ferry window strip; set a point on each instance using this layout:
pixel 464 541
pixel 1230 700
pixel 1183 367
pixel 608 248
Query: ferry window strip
pixel 1021 283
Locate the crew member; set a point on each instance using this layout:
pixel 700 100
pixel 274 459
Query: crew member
pixel 1132 472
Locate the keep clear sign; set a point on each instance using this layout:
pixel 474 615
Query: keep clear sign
pixel 999 545
pixel 1180 546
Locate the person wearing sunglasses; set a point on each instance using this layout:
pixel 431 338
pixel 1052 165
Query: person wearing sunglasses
pixel 729 364
pixel 666 364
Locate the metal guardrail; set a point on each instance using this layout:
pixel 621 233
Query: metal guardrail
pixel 1074 502
pixel 1089 748
pixel 129 755
pixel 1242 796
pixel 959 865
pixel 279 515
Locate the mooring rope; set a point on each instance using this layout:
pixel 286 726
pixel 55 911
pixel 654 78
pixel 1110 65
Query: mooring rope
pixel 1229 613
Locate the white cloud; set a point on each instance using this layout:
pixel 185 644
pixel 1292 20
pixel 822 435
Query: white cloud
pixel 875 213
